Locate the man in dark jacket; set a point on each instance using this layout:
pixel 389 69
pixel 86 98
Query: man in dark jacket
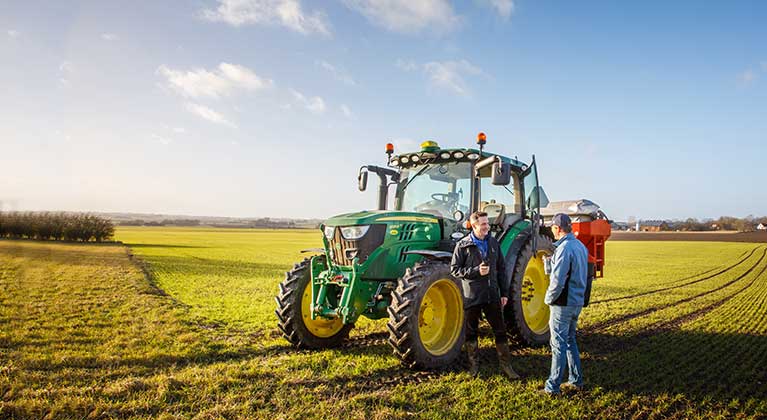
pixel 478 262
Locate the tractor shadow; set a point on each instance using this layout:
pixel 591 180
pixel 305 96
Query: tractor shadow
pixel 203 267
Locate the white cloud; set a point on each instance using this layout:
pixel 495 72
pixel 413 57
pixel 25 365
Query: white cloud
pixel 347 111
pixel 66 67
pixel 208 114
pixel 448 75
pixel 13 33
pixel 65 70
pixel 339 74
pixel 161 139
pixel 504 7
pixel 179 130
pixel 109 37
pixel 287 13
pixel 747 77
pixel 315 104
pixel 408 16
pixel 406 65
pixel 219 82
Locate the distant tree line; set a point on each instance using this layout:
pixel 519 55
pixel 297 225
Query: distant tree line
pixel 55 226
pixel 746 224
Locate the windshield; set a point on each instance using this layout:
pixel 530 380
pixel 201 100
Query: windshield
pixel 438 188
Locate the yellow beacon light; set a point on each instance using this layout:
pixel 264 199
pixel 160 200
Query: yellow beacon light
pixel 481 138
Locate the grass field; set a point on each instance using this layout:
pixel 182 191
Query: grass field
pixel 676 330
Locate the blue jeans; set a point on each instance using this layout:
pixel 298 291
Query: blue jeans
pixel 564 349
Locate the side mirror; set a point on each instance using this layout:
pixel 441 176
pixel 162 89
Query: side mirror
pixel 501 173
pixel 362 179
pixel 538 198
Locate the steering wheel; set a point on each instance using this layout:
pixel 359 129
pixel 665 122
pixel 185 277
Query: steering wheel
pixel 445 198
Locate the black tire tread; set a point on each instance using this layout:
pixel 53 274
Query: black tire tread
pixel 288 311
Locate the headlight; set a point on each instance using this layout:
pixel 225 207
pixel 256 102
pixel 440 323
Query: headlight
pixel 329 232
pixel 404 160
pixel 458 155
pixel 415 158
pixel 473 156
pixel 354 232
pixel 444 155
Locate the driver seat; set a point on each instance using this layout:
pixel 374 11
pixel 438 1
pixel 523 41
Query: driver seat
pixel 496 212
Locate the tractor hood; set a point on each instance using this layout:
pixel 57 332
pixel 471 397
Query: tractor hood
pixel 369 217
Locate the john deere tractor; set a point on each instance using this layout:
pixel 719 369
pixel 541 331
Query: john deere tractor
pixel 395 263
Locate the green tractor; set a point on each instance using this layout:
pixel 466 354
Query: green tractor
pixel 396 263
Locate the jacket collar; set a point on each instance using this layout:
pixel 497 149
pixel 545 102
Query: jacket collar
pixel 467 241
pixel 565 238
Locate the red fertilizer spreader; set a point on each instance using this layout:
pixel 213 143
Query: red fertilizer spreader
pixel 590 226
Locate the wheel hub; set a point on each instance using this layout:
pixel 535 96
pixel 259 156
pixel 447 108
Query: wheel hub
pixel 534 285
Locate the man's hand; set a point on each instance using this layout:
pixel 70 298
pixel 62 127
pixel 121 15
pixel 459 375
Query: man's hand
pixel 504 301
pixel 484 269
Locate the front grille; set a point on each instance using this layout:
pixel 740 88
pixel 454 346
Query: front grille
pixel 406 232
pixel 343 251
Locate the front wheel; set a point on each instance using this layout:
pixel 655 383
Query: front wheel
pixel 294 313
pixel 426 317
pixel 526 314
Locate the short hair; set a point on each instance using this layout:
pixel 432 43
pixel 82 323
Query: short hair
pixel 476 215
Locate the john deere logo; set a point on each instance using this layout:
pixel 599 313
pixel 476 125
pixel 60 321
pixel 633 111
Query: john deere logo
pixel 338 247
pixel 394 231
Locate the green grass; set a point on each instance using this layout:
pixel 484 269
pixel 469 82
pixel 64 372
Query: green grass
pixel 83 334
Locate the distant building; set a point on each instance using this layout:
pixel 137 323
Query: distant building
pixel 761 226
pixel 652 225
pixel 619 226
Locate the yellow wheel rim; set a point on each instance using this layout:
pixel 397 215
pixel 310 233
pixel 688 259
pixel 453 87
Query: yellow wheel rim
pixel 534 286
pixel 319 327
pixel 440 317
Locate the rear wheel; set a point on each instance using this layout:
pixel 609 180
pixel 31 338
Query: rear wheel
pixel 294 313
pixel 426 317
pixel 527 315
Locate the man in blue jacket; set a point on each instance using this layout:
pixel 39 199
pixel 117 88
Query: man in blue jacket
pixel 565 297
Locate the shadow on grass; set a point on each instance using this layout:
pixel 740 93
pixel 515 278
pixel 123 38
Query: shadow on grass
pixel 700 366
pixel 197 266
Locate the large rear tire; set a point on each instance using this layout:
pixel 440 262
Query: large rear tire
pixel 527 316
pixel 426 326
pixel 294 313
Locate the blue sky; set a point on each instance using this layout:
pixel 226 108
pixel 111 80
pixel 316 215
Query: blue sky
pixel 269 107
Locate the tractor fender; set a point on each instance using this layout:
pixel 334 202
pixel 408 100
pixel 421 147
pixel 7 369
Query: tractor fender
pixel 513 252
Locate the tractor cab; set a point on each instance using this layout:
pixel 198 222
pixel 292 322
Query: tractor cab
pixel 452 183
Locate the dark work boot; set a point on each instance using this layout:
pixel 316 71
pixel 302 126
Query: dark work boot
pixel 471 353
pixel 504 359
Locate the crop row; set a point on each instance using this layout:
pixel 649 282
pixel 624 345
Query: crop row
pixel 637 311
